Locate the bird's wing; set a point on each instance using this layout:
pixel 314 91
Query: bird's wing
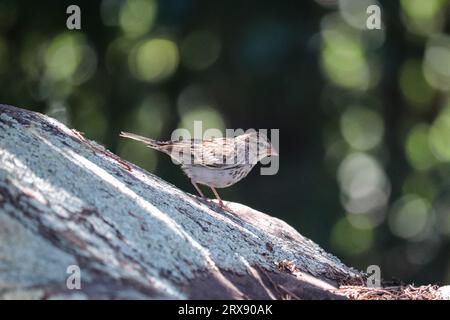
pixel 218 153
pixel 213 153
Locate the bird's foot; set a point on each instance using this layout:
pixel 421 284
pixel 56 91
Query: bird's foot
pixel 215 203
pixel 222 206
pixel 201 200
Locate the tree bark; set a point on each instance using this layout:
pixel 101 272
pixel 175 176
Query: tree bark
pixel 67 201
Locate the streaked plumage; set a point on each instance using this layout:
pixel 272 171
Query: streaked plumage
pixel 217 162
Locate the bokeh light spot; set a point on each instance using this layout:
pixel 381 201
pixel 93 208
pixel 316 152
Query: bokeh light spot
pixel 360 174
pixel 63 56
pixel 154 60
pixel 354 12
pixel 437 62
pixel 360 221
pixel 196 103
pixel 350 240
pixel 137 17
pixel 423 17
pixel 342 56
pixel 209 117
pixel 421 9
pixel 409 216
pixel 418 151
pixel 362 128
pixel 439 136
pixel 364 186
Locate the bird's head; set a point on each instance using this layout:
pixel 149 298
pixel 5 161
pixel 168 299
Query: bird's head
pixel 259 146
pixel 265 147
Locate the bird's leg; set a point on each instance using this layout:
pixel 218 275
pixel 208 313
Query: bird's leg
pixel 199 191
pixel 217 197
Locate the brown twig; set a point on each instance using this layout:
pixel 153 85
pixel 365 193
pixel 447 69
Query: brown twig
pixel 107 153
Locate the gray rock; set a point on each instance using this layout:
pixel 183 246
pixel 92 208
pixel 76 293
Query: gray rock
pixel 65 200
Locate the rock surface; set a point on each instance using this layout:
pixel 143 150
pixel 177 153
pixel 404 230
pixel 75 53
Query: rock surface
pixel 65 200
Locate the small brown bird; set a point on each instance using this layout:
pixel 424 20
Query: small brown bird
pixel 216 162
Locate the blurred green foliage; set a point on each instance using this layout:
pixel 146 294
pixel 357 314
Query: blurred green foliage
pixel 364 115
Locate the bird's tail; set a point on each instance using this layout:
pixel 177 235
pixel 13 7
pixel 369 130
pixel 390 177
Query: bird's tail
pixel 150 142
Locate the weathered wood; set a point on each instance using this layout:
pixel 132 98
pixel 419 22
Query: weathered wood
pixel 65 200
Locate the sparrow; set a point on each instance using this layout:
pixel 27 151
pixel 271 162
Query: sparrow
pixel 215 162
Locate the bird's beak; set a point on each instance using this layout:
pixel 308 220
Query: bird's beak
pixel 272 152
